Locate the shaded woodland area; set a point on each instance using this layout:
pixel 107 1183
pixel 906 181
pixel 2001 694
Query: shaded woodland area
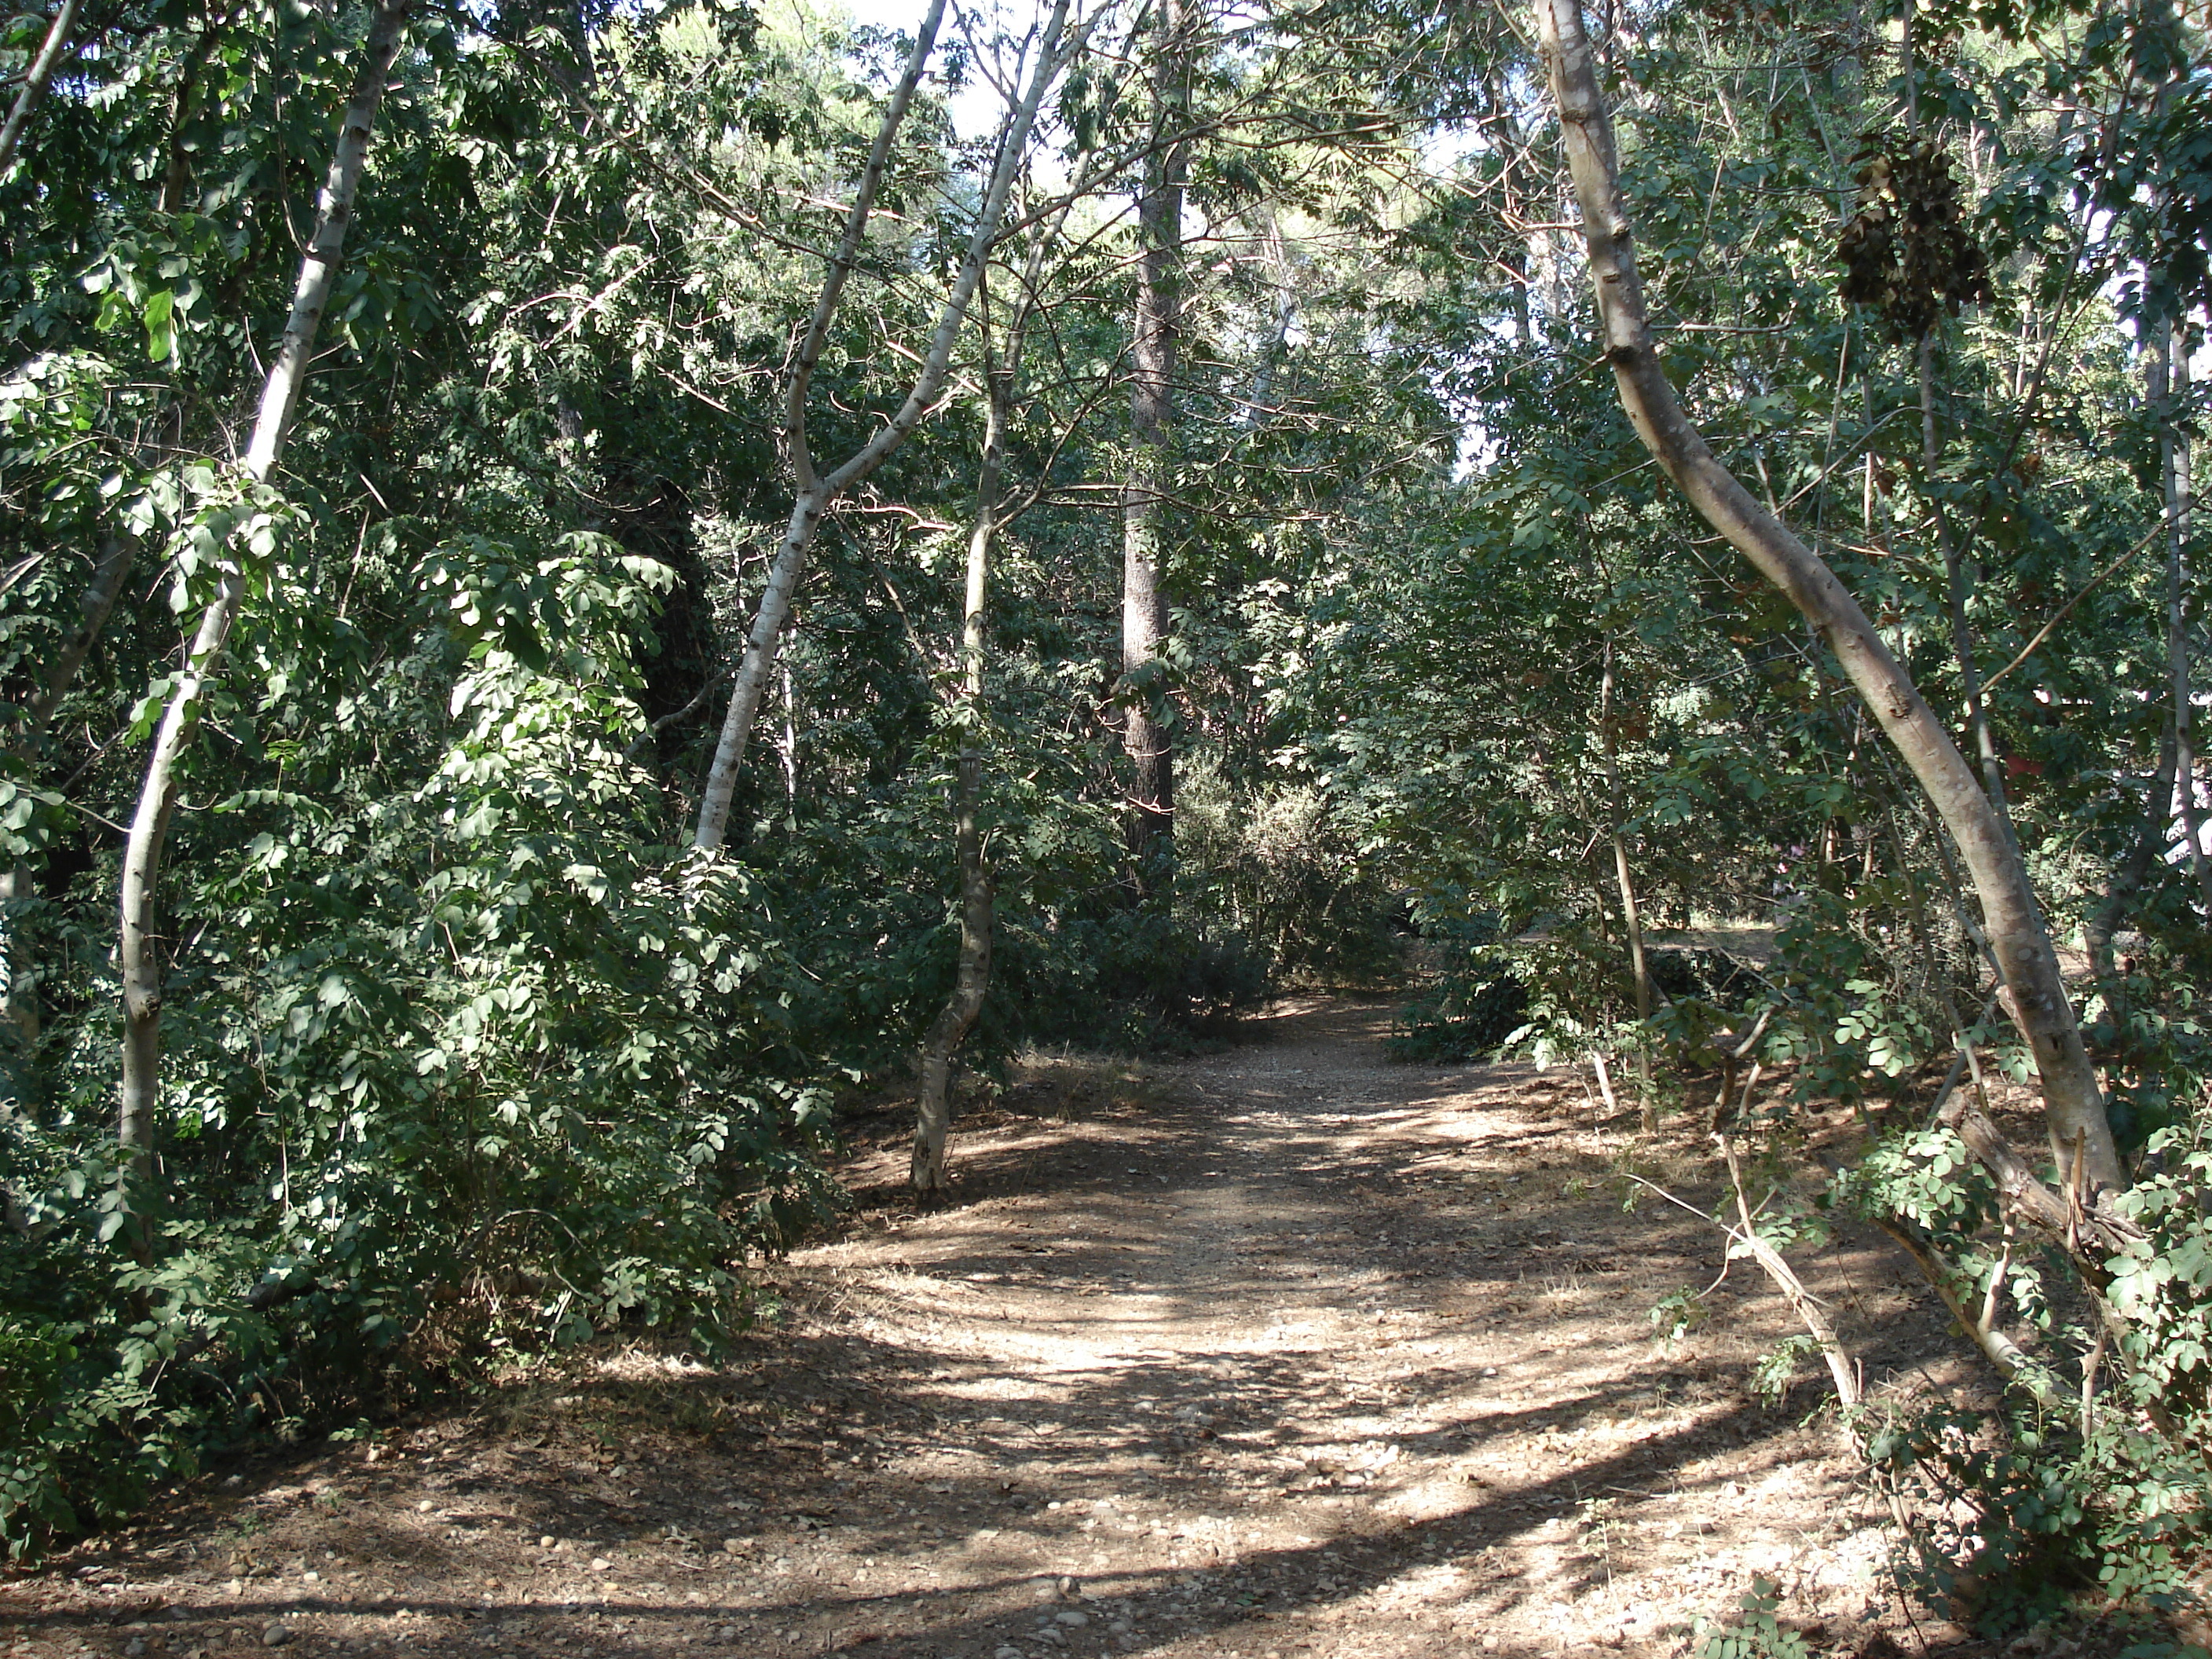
pixel 589 590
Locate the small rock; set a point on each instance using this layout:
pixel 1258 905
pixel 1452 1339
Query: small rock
pixel 1072 1619
pixel 546 1542
pixel 276 1634
pixel 727 1633
pixel 425 1506
pixel 1066 1586
pixel 135 1646
pixel 1010 1653
pixel 599 1564
pixel 311 1579
pixel 732 1545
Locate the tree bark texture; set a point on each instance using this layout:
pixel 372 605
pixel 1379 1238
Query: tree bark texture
pixel 280 399
pixel 815 492
pixel 1631 913
pixel 972 977
pixel 36 80
pixel 2036 995
pixel 1152 348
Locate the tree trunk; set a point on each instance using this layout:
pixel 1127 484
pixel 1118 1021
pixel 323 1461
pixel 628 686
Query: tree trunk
pixel 932 1115
pixel 37 79
pixel 1632 914
pixel 2168 371
pixel 22 1000
pixel 972 978
pixel 176 171
pixel 2073 1105
pixel 116 553
pixel 157 796
pixel 1152 342
pixel 816 494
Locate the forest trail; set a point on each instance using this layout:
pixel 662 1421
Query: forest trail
pixel 1283 1352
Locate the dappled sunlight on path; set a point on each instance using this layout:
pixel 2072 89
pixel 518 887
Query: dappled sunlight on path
pixel 1282 1353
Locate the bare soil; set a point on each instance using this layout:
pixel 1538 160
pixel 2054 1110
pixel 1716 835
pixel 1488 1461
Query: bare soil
pixel 1284 1352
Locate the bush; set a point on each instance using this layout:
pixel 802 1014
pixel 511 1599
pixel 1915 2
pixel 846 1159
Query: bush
pixel 1274 869
pixel 1477 1001
pixel 1469 1015
pixel 471 1067
pixel 2038 1508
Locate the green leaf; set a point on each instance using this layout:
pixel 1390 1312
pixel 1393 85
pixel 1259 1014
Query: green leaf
pixel 161 334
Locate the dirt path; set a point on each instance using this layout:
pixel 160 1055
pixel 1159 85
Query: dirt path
pixel 1282 1353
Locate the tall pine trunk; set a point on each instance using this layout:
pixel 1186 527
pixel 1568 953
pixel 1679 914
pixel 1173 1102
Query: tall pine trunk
pixel 1152 342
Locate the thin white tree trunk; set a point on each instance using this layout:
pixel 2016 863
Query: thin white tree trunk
pixel 2036 995
pixel 815 494
pixel 1631 913
pixel 1152 342
pixel 972 975
pixel 22 1001
pixel 37 79
pixel 280 399
pixel 993 513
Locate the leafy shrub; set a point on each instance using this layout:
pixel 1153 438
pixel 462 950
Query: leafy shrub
pixel 2037 1508
pixel 477 1068
pixel 1694 971
pixel 1476 1003
pixel 1466 1015
pixel 1276 869
pixel 1142 978
pixel 1758 1633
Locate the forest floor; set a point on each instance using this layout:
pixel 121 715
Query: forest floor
pixel 1281 1352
